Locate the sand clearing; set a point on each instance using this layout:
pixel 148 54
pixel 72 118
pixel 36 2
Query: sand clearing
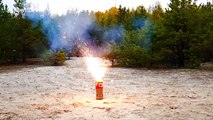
pixel 68 93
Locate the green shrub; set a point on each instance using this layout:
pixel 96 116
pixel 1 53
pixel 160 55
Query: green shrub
pixel 58 58
pixel 129 56
pixel 194 62
pixel 134 56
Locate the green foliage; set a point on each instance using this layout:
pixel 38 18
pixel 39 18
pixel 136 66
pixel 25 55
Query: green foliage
pixel 194 62
pixel 113 55
pixel 6 38
pixel 134 56
pixel 18 38
pixel 58 58
pixel 107 18
pixel 181 36
pixel 131 52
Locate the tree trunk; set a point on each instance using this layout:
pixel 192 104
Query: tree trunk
pixel 181 57
pixel 23 54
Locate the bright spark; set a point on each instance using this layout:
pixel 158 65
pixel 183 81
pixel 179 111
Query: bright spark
pixel 96 67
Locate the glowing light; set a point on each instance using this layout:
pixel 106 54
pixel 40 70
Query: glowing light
pixel 96 67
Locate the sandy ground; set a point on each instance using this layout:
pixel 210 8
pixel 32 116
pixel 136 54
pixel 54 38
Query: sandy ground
pixel 68 93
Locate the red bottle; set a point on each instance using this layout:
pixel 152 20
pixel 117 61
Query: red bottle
pixel 99 90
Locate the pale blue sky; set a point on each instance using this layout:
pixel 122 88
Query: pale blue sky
pixel 61 6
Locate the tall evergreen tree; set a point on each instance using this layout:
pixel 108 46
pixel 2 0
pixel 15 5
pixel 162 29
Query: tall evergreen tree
pixel 175 37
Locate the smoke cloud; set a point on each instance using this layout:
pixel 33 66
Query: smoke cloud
pixel 80 29
pixel 146 26
pixel 75 29
pixel 63 31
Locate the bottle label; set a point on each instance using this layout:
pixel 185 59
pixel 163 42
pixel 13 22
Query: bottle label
pixel 99 85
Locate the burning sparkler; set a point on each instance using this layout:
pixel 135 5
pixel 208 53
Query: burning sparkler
pixel 96 67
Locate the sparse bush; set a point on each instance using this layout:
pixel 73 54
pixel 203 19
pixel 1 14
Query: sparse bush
pixel 46 56
pixel 54 58
pixel 58 58
pixel 112 55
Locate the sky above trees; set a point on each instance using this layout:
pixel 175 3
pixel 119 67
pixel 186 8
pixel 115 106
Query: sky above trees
pixel 61 6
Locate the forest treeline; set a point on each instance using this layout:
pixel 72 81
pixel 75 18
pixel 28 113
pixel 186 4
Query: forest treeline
pixel 19 37
pixel 179 36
